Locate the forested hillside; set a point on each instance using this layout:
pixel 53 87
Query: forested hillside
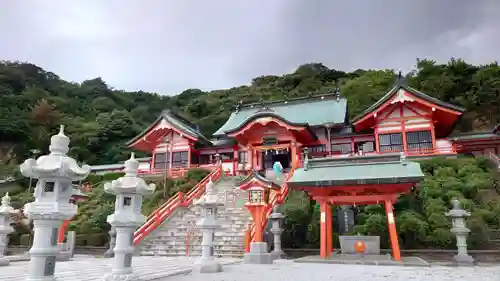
pixel 100 119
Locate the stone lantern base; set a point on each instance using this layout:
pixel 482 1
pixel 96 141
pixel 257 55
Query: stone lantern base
pixel 278 255
pixel 207 265
pixel 4 261
pixel 464 260
pixel 258 254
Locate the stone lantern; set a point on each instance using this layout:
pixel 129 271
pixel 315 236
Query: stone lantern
pixel 277 229
pixel 112 241
pixel 259 190
pixel 55 173
pixel 129 191
pixel 208 224
pixel 6 211
pixel 458 215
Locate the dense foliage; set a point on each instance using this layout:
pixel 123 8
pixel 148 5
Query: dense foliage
pixel 420 218
pixel 99 119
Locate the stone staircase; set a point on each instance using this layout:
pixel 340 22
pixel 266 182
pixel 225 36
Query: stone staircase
pixel 179 236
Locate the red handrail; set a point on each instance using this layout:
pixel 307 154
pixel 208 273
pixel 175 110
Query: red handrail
pixel 495 159
pixel 157 217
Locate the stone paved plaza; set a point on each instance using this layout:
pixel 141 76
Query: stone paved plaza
pixel 324 272
pixel 93 269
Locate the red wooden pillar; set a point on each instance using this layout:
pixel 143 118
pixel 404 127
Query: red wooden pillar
pixel 62 231
pixel 393 234
pixel 329 227
pixel 189 156
pixel 235 160
pixel 325 230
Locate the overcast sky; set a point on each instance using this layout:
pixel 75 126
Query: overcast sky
pixel 166 46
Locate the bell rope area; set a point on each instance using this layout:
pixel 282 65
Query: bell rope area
pixel 239 205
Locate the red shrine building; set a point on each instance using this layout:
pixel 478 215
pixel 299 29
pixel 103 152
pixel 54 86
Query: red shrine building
pixel 256 135
pixel 336 161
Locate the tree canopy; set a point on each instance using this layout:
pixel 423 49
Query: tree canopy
pixel 101 119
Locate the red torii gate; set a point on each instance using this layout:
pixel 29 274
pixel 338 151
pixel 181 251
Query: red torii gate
pixel 359 180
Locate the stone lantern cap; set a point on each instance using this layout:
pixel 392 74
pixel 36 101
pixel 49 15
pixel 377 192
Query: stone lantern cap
pixel 276 215
pixel 130 182
pixel 57 163
pixel 457 211
pixel 6 208
pixel 210 197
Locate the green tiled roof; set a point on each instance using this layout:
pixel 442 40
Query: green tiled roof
pixel 409 89
pixel 312 111
pixel 178 122
pixel 475 136
pixel 356 170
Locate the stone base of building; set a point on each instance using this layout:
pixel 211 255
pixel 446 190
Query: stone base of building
pixel 120 277
pixel 258 254
pixel 464 260
pixel 4 261
pixel 207 265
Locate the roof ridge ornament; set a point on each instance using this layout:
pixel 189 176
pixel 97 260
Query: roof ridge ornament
pixel 401 79
pixel 337 92
pixel 403 159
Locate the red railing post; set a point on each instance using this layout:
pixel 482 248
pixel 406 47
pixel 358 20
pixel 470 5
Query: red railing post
pixel 157 217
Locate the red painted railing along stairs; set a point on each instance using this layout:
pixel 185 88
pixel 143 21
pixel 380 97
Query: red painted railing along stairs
pixel 156 218
pixel 276 199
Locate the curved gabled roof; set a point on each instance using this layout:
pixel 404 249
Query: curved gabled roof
pixel 311 111
pixel 412 91
pixel 178 122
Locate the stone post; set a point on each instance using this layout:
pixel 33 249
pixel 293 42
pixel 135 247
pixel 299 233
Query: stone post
pixel 461 231
pixel 208 224
pixel 6 211
pixel 129 191
pixel 112 241
pixel 55 173
pixel 276 228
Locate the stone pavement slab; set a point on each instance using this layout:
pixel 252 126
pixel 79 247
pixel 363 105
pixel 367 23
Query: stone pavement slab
pixel 93 269
pixel 324 272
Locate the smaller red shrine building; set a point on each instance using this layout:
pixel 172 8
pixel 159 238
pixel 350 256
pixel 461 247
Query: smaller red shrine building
pixel 357 180
pixel 259 134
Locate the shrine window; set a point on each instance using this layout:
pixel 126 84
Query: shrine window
pixel 391 142
pixel 204 159
pixel 341 148
pixel 226 155
pixel 243 157
pixel 317 150
pixel 419 141
pixel 180 159
pixel 161 161
pixel 364 146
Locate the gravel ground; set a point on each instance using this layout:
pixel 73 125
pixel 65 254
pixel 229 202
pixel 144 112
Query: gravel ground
pixel 323 272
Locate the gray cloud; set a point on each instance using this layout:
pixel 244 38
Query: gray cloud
pixel 167 46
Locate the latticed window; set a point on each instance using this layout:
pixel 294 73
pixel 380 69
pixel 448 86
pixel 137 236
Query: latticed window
pixel 161 161
pixel 180 159
pixel 420 140
pixel 243 157
pixel 341 148
pixel 391 142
